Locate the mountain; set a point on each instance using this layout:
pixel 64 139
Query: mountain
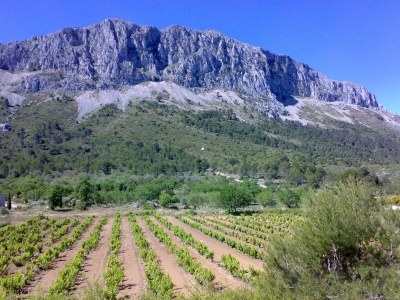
pixel 136 99
pixel 116 53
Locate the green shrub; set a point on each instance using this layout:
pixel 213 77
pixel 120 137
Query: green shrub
pixel 343 248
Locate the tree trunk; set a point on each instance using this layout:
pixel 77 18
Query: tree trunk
pixel 9 201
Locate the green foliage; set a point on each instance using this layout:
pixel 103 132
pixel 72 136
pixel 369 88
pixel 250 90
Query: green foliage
pixel 114 272
pixel 361 174
pixel 190 264
pixel 234 197
pixel 165 199
pixel 67 277
pixel 289 197
pixel 85 193
pixel 267 197
pixel 55 198
pixel 233 266
pixel 343 248
pixel 162 140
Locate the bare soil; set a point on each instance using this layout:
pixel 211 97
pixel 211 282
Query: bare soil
pixel 134 282
pixel 183 282
pixel 45 279
pixel 223 279
pixel 96 260
pixel 219 248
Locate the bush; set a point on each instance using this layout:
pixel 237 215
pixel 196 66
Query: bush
pixel 395 199
pixel 266 198
pixel 341 249
pixel 3 210
pixel 289 198
pixel 165 199
pixel 55 199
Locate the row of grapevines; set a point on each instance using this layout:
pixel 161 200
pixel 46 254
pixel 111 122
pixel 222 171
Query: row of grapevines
pixel 114 273
pixel 16 282
pixel 63 230
pixel 234 226
pixel 191 265
pixel 232 264
pixel 158 282
pixel 18 233
pixel 26 241
pixel 246 249
pixel 270 222
pixel 29 250
pixel 186 237
pixel 251 224
pixel 46 259
pixel 23 238
pixel 228 230
pixel 67 277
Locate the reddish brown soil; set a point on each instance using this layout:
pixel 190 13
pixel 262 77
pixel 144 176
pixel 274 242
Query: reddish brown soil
pixel 134 282
pixel 218 247
pixel 44 279
pixel 183 282
pixel 96 260
pixel 222 278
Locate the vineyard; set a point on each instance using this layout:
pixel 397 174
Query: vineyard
pixel 132 254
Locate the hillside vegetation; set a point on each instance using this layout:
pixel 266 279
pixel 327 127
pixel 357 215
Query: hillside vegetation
pixel 151 138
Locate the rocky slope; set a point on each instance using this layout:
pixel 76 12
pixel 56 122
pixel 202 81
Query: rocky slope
pixel 116 53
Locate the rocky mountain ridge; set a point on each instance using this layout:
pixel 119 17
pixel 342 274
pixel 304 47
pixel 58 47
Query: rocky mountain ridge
pixel 116 53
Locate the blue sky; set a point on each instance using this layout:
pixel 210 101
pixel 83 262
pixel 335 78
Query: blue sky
pixel 352 40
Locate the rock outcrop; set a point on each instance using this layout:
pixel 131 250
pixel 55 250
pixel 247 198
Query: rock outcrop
pixel 115 53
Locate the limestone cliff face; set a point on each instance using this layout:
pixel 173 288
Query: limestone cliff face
pixel 116 53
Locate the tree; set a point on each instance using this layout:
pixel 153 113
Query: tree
pixel 289 197
pixel 252 186
pixel 266 198
pixel 195 199
pixel 234 197
pixel 9 201
pixel 164 199
pixel 55 198
pixel 361 174
pixel 85 193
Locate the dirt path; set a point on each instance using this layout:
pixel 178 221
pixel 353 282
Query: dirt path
pixel 222 278
pixel 218 247
pixel 134 282
pixel 96 260
pixel 183 282
pixel 45 279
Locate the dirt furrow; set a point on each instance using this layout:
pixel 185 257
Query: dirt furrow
pixel 183 282
pixel 96 260
pixel 222 278
pixel 134 282
pixel 45 279
pixel 218 247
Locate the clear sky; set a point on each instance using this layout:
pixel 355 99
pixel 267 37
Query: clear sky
pixel 352 40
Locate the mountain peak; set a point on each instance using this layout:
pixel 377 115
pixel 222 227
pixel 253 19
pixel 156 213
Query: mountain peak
pixel 116 52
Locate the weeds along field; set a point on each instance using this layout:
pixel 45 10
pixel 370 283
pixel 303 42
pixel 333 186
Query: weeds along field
pixel 128 255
